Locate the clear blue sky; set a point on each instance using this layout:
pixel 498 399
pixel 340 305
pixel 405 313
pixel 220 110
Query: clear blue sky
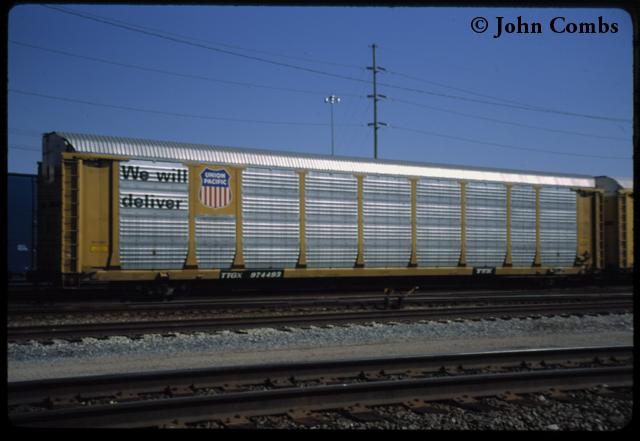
pixel 581 83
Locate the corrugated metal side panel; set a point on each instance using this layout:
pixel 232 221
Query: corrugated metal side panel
pixel 162 150
pixel 270 218
pixel 215 241
pixel 387 221
pixel 523 225
pixel 486 222
pixel 558 228
pixel 152 237
pixel 438 222
pixel 331 220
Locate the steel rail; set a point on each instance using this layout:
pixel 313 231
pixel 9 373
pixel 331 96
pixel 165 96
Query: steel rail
pixel 32 391
pixel 48 332
pixel 278 401
pixel 345 300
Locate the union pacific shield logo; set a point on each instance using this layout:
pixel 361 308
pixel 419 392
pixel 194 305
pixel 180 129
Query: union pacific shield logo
pixel 215 191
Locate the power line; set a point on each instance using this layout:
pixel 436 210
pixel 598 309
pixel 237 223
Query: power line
pixel 183 115
pixel 24 132
pixel 24 147
pixel 506 146
pixel 177 74
pixel 311 60
pixel 135 28
pixel 244 84
pixel 313 124
pixel 532 109
pixel 500 121
pixel 202 46
pixel 354 113
pixel 459 89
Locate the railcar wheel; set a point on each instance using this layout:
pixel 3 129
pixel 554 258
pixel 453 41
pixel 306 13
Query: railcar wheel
pixel 548 283
pixel 165 291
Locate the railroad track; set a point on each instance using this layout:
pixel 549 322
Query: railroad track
pixel 16 307
pixel 129 328
pixel 232 395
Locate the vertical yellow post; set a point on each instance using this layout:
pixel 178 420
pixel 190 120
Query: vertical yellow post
pixel 238 259
pixel 622 223
pixel 598 230
pixel 630 228
pixel 537 261
pixel 508 258
pixel 302 257
pixel 114 254
pixel 627 196
pixel 463 224
pixel 360 258
pixel 585 218
pixel 63 216
pixel 79 207
pixel 191 261
pixel 414 223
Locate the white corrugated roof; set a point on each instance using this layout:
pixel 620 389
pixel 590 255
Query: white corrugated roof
pixel 172 151
pixel 612 185
pixel 624 182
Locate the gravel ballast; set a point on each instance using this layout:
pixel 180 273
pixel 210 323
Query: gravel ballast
pixel 590 411
pixel 228 348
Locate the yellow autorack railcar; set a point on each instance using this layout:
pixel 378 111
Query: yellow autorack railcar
pixel 122 209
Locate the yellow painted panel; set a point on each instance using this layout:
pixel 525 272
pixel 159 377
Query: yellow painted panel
pixel 584 205
pixel 413 261
pixel 630 228
pixel 302 257
pixel 396 272
pixel 115 215
pixel 463 224
pixel 65 224
pixel 79 215
pixel 192 261
pixel 95 199
pixel 624 241
pixel 196 274
pixel 148 275
pixel 214 190
pixel 599 229
pixel 540 270
pixel 80 155
pixel 537 259
pixel 508 259
pixel 208 201
pixel 238 259
pixel 375 272
pixel 360 258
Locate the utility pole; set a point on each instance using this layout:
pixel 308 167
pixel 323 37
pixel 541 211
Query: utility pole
pixel 376 97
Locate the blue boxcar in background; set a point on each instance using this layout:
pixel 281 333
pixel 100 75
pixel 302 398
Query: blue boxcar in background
pixel 21 224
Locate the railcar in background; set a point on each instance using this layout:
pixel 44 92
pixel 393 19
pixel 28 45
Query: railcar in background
pixel 618 223
pixel 22 195
pixel 132 210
